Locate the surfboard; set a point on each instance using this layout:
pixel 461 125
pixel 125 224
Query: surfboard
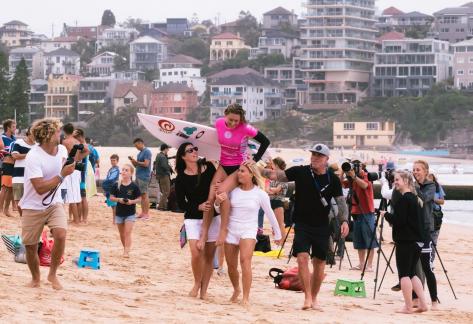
pixel 174 132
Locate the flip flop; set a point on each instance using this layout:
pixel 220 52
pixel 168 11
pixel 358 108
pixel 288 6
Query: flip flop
pixel 355 268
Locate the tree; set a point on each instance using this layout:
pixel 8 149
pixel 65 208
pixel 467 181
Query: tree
pixel 85 49
pixel 132 23
pixel 108 18
pixel 120 63
pixel 3 84
pixel 267 60
pixel 19 95
pixel 249 29
pixel 194 47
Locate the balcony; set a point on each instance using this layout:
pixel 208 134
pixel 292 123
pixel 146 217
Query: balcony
pixel 226 94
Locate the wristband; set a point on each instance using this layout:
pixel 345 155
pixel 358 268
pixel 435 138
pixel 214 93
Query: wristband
pixel 61 178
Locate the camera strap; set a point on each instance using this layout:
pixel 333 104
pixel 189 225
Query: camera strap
pixel 51 194
pixel 318 188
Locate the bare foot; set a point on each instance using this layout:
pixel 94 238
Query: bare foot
pixel 55 282
pixel 204 296
pixel 316 306
pixel 33 284
pixel 307 305
pixel 7 213
pixel 235 295
pixel 126 255
pixel 435 306
pixel 245 303
pixel 421 309
pixel 194 292
pixel 405 310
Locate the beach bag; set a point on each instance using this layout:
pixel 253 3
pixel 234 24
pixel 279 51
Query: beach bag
pixel 45 250
pixel 263 243
pixel 20 255
pixel 12 242
pixel 288 280
pixel 183 236
pixel 438 217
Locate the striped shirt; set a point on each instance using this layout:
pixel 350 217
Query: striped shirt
pixel 20 147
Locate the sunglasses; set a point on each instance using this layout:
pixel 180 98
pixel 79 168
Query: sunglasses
pixel 196 149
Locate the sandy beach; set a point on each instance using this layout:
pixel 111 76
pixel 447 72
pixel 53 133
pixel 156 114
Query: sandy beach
pixel 152 286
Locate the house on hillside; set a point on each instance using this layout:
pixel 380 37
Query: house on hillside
pixel 95 93
pixel 33 57
pixel 279 17
pixel 89 33
pixel 61 97
pixel 36 99
pixel 115 36
pixel 454 24
pixel 61 61
pixel 182 69
pixel 15 34
pixel 135 94
pixel 50 45
pixel 173 100
pixel 146 53
pixel 363 134
pixel 274 41
pixel 463 65
pixel 102 64
pixel 226 46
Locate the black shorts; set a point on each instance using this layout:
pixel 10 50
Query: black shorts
pixel 229 169
pixel 276 203
pixel 7 169
pixel 312 240
pixel 83 193
pixel 407 256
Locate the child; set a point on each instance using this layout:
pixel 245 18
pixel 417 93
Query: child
pixel 126 194
pixel 110 180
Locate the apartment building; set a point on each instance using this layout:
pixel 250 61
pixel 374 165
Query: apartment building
pixel 146 53
pixel 410 67
pixel 275 41
pixel 260 97
pixel 290 80
pixel 61 97
pixel 454 24
pixel 463 65
pixel 95 93
pixel 50 45
pixel 364 134
pixel 15 34
pixel 33 57
pixel 393 19
pixel 36 100
pixel 279 17
pixel 61 61
pixel 173 100
pixel 102 65
pixel 115 36
pixel 337 52
pixel 182 69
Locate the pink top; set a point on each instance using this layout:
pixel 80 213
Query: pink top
pixel 233 142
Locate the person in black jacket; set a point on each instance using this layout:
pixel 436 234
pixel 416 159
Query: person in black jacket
pixel 193 183
pixel 408 234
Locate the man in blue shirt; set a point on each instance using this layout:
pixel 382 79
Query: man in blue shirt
pixel 8 139
pixel 143 174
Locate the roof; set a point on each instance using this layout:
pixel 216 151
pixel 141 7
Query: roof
pixel 455 11
pixel 278 11
pixel 62 52
pixel 174 88
pixel 138 88
pixel 249 79
pixel 468 4
pixel 183 59
pixel 226 36
pixel 16 22
pixel 230 24
pixel 468 42
pixel 229 72
pixel 71 39
pixel 391 36
pixel 90 32
pixel 27 49
pixel 392 11
pixel 146 39
pixel 177 20
pixel 107 53
pixel 415 14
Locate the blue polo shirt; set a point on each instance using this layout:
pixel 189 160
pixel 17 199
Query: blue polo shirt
pixel 7 141
pixel 144 173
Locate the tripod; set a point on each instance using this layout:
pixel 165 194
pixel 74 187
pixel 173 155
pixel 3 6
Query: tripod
pixel 382 206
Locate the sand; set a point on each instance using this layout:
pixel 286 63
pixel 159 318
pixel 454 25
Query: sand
pixel 152 285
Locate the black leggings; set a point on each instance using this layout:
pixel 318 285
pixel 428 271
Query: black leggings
pixel 427 262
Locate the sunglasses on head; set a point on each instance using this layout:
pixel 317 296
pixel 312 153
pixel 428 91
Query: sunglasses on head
pixel 192 149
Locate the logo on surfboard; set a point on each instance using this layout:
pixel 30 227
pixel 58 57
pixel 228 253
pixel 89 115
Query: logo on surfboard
pixel 166 126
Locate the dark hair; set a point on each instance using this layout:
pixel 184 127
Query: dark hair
pixel 181 164
pixel 164 146
pixel 114 156
pixel 7 124
pixel 280 163
pixel 87 140
pixel 79 132
pixel 136 140
pixel 68 129
pixel 28 131
pixel 237 109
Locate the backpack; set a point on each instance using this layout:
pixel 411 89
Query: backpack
pixel 288 280
pixel 263 243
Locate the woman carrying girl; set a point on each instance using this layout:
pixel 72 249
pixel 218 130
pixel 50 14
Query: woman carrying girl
pixel 408 235
pixel 245 200
pixel 233 133
pixel 126 194
pixel 193 180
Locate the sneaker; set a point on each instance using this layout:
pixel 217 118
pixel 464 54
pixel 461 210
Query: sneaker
pixel 396 287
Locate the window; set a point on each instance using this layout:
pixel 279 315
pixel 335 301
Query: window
pixel 371 126
pixel 470 72
pixel 345 136
pixel 460 72
pixel 229 43
pixel 471 60
pixel 348 126
pixel 339 137
pixel 127 101
pixel 460 60
pixel 218 43
pixel 375 136
pixel 58 59
pixel 177 110
pixel 403 71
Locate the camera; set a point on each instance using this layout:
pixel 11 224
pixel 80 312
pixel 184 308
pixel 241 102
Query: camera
pixel 125 200
pixel 357 167
pixel 389 175
pixel 71 157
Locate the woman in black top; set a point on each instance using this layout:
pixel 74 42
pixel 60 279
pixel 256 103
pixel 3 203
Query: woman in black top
pixel 407 223
pixel 193 181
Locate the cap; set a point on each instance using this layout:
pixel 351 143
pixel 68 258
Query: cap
pixel 164 146
pixel 321 149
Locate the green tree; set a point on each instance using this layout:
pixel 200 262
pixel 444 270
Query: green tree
pixel 266 60
pixel 86 50
pixel 3 85
pixel 194 47
pixel 132 23
pixel 108 18
pixel 249 29
pixel 19 95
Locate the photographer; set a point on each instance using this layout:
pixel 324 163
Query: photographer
pixel 315 188
pixel 41 203
pixel 362 211
pixel 163 175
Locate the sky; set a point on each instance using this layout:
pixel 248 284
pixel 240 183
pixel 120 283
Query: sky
pixel 42 15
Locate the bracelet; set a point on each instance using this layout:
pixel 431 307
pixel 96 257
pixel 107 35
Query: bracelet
pixel 61 178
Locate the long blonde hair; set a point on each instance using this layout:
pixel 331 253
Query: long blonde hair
pixel 408 178
pixel 257 178
pixel 132 171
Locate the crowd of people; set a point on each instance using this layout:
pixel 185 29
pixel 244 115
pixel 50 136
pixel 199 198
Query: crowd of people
pixel 224 203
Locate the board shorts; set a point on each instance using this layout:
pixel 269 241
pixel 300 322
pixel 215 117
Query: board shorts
pixel 143 184
pixel 33 222
pixel 312 240
pixel 276 203
pixel 71 184
pixel 17 191
pixel 363 230
pixel 194 229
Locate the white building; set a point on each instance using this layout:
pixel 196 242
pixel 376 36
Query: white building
pixel 146 53
pixel 102 64
pixel 184 70
pixel 116 36
pixel 15 33
pixel 260 97
pixel 33 58
pixel 61 61
pixel 58 42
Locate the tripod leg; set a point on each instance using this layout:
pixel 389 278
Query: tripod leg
pixel 285 239
pixel 444 270
pixel 346 251
pixel 387 266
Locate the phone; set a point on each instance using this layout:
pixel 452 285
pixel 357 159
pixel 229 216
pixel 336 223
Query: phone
pixel 130 158
pixel 125 200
